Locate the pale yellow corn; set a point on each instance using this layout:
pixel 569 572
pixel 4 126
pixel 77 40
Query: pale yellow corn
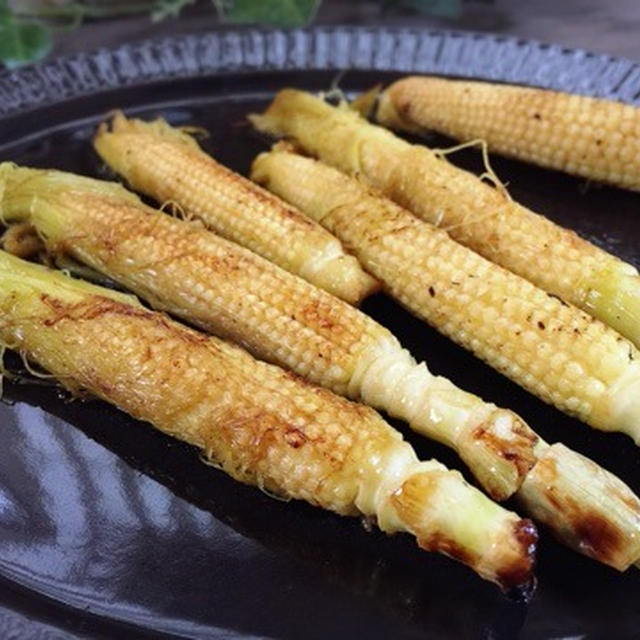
pixel 229 290
pixel 472 212
pixel 167 164
pixel 589 137
pixel 232 292
pixel 552 349
pixel 261 425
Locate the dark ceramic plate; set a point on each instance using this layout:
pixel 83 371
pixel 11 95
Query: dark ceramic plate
pixel 109 529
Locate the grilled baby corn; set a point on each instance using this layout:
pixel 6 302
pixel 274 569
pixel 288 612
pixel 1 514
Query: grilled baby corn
pixel 230 291
pixel 552 349
pixel 475 214
pixel 167 164
pixel 589 137
pixel 261 425
pixel 532 337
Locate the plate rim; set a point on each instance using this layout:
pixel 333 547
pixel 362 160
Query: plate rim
pixel 240 50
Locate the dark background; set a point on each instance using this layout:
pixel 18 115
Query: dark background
pixel 609 26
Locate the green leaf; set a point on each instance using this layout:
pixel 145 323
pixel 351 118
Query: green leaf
pixel 22 42
pixel 168 9
pixel 441 8
pixel 279 13
pixel 5 12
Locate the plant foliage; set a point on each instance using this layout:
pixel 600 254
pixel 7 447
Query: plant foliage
pixel 21 41
pixel 27 33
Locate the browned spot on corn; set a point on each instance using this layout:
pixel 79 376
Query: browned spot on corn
pixel 521 570
pixel 86 310
pixel 596 535
pixel 294 437
pixel 97 307
pixel 599 538
pixel 518 448
pixel 403 105
pixel 444 544
pixel 318 314
pixel 547 470
pixel 92 382
pixel 257 432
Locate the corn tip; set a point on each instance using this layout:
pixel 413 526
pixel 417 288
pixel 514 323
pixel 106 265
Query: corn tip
pixel 424 503
pixel 585 506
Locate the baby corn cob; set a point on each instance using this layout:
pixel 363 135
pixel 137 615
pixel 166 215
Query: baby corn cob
pixel 167 164
pixel 475 214
pixel 260 424
pixel 589 137
pixel 228 290
pixel 552 349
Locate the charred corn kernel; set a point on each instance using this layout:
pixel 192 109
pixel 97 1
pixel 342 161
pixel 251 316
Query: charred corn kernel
pixel 167 164
pixel 261 425
pixel 488 310
pixel 589 137
pixel 473 213
pixel 279 317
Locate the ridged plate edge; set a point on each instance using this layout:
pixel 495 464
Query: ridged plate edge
pixel 387 49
